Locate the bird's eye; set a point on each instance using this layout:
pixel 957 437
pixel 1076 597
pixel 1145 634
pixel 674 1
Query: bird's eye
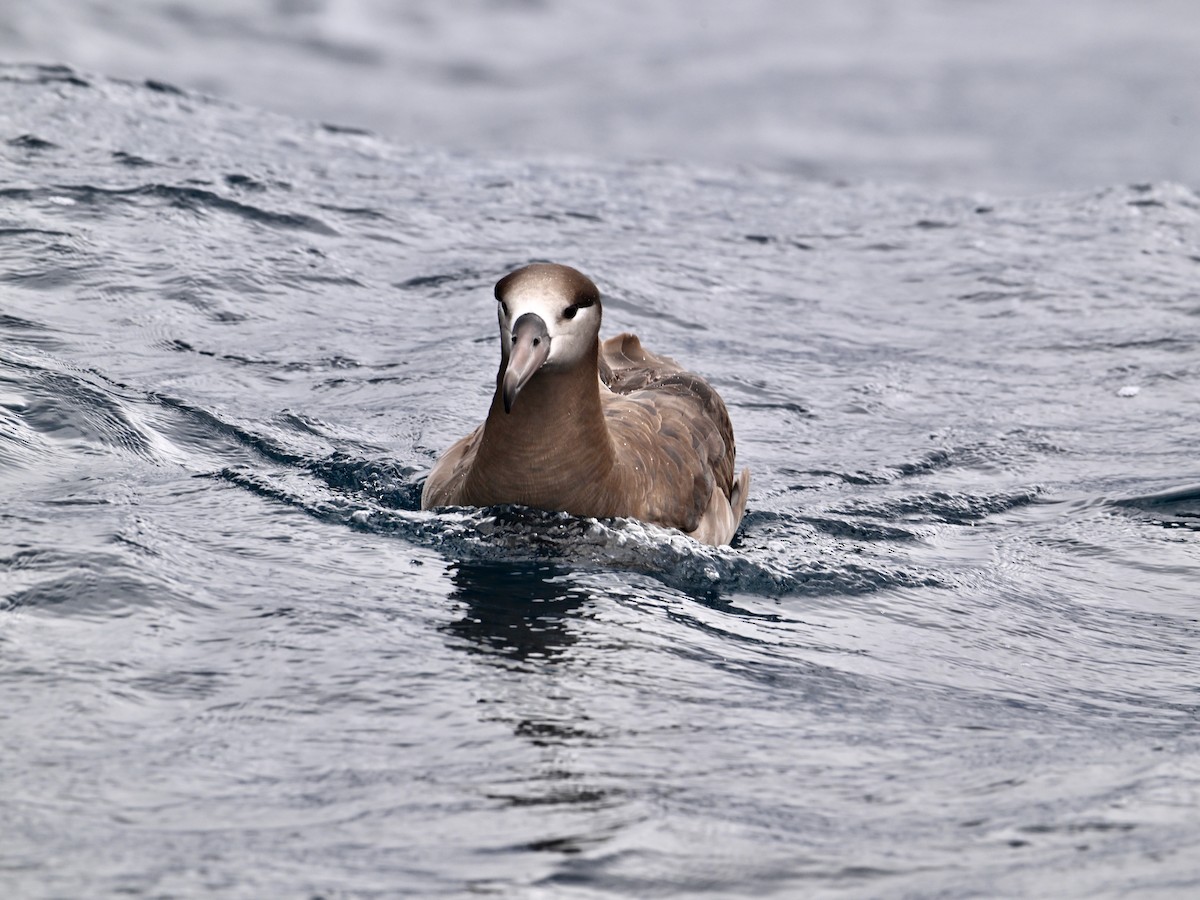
pixel 504 306
pixel 569 312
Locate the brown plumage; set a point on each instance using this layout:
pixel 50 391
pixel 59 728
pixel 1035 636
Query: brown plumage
pixel 593 429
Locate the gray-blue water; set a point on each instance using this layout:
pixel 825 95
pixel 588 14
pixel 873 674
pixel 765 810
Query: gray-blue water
pixel 953 652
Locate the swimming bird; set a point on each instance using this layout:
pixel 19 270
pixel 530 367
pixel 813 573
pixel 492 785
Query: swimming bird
pixel 589 428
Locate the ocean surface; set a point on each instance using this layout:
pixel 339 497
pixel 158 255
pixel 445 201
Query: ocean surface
pixel 954 650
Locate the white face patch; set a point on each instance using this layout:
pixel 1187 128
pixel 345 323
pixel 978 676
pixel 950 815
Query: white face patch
pixel 571 339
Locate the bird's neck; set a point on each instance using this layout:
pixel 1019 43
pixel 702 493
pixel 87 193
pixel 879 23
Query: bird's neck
pixel 554 441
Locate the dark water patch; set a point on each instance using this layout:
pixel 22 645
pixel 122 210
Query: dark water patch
pixel 307 425
pixel 359 212
pixel 1169 343
pixel 855 478
pixel 31 142
pixel 795 408
pixel 193 199
pixel 941 507
pixel 242 360
pixel 1176 508
pixel 335 383
pixel 34 73
pixel 184 347
pixel 320 365
pixel 335 363
pixel 15 323
pixel 931 461
pixel 1186 497
pixel 197 200
pixel 521 611
pixel 161 87
pixel 993 296
pixel 386 482
pixel 1011 450
pixel 262 485
pixel 132 160
pixel 334 280
pixel 421 282
pixel 209 426
pixel 43 232
pixel 1073 828
pixel 345 129
pixel 859 529
pixel 246 183
pixel 93 584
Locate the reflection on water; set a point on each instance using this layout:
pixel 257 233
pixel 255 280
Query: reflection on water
pixel 520 611
pixel 524 613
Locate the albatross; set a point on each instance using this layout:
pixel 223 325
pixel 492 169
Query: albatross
pixel 589 428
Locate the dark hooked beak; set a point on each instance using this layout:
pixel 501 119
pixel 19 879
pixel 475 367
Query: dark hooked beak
pixel 530 347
